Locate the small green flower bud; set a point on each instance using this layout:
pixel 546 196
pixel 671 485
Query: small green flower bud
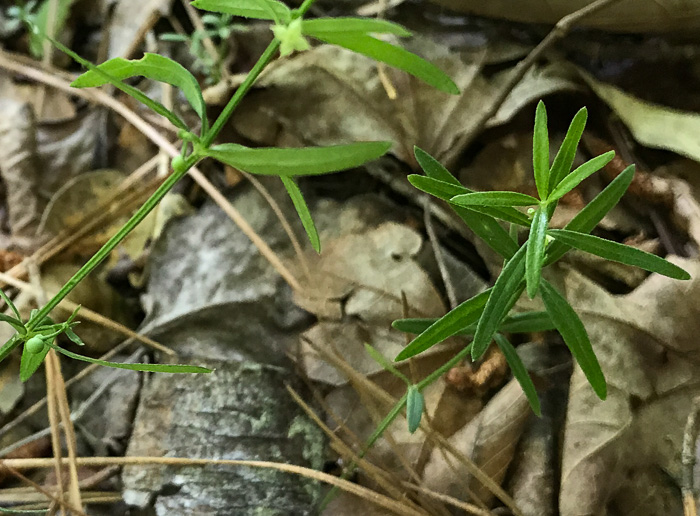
pixel 178 164
pixel 35 345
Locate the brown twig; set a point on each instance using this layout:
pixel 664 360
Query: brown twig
pixel 690 439
pixel 560 30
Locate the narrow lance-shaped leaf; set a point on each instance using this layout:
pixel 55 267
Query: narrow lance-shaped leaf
pixel 527 322
pixel 247 8
pixel 61 10
pixel 149 368
pixel 446 191
pixel 154 67
pixel 494 199
pixel 567 152
pixel 433 168
pixel 489 230
pixel 303 211
pixel 587 219
pixel 15 323
pixel 129 90
pixel 343 25
pixel 447 326
pixel 414 408
pixel 519 372
pixel 540 151
pixel 9 303
pixel 574 334
pixel 574 179
pixel 394 56
pixel 536 244
pixel 297 161
pixel 503 296
pixel 616 252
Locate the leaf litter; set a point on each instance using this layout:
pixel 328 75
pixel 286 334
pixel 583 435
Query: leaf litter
pixel 227 301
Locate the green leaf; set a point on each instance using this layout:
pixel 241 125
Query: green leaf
pixel 386 364
pixel 587 219
pixel 494 198
pixel 620 253
pixel 74 337
pixel 129 90
pixel 540 151
pixel 344 25
pixel 504 294
pixel 433 168
pixel 414 408
pixel 536 244
pixel 489 230
pixel 394 56
pixel 574 334
pixel 16 324
pixel 448 325
pixel 567 152
pixel 303 211
pixel 60 15
pixel 519 372
pixel 9 303
pixel 528 322
pixel 152 66
pixel 574 179
pixel 30 362
pixel 447 190
pixel 297 161
pixel 258 9
pixel 149 368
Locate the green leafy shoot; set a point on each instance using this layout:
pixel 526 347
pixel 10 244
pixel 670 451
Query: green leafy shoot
pixel 567 152
pixel 494 199
pixel 447 326
pixel 519 372
pixel 534 256
pixel 303 211
pixel 577 176
pixel 540 151
pixel 152 66
pixel 346 25
pixel 574 334
pixel 297 161
pixel 256 9
pixel 149 368
pixel 620 253
pixel 393 56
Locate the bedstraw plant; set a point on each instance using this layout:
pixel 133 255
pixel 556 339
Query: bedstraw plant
pixel 290 33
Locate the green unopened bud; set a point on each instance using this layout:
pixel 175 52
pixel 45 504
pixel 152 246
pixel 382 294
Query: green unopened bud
pixel 178 164
pixel 35 345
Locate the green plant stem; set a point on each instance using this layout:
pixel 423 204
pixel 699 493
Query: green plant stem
pixel 252 76
pixel 104 251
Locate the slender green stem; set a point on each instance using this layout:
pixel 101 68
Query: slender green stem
pixel 103 252
pixel 250 79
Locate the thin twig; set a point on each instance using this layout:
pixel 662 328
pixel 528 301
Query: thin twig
pixel 690 439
